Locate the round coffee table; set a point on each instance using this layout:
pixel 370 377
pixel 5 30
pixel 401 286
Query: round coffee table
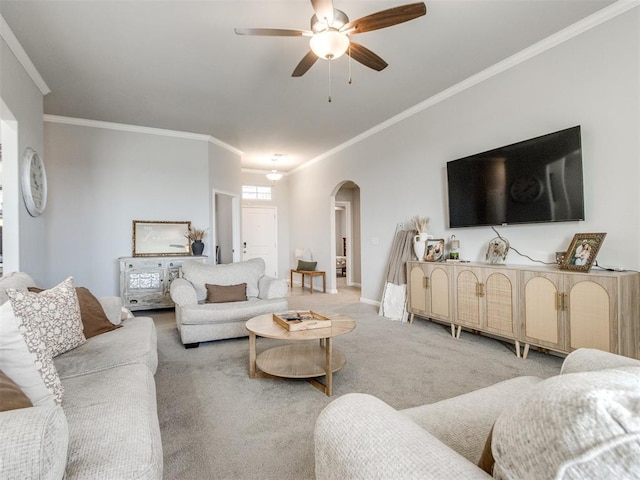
pixel 298 360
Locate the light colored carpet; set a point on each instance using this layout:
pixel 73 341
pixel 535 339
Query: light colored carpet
pixel 218 423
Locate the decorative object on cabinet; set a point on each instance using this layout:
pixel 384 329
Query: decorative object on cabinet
pixel 34 182
pixel 157 239
pixel 420 245
pixel 195 236
pixel 421 224
pixel 560 257
pixel 145 282
pixel 435 250
pixel 497 250
pixel 197 248
pixel 454 248
pixel 582 251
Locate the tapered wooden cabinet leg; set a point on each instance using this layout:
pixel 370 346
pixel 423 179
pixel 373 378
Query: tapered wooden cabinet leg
pixel 459 331
pixel 517 349
pixel 453 330
pixel 526 351
pixel 411 318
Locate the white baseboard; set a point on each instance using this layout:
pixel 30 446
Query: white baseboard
pixel 368 301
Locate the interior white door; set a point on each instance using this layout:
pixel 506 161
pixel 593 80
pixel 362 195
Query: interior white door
pixel 260 236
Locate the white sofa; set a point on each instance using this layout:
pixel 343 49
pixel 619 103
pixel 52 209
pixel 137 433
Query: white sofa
pixel 584 423
pixel 199 321
pixel 107 425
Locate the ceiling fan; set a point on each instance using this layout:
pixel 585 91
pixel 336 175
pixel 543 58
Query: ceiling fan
pixel 330 31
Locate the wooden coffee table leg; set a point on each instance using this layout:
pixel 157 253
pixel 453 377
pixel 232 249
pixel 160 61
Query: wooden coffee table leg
pixel 328 368
pixel 252 355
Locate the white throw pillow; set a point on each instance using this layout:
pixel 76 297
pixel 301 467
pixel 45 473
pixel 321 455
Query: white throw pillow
pixel 248 271
pixel 574 426
pixel 55 313
pixel 26 360
pixel 15 280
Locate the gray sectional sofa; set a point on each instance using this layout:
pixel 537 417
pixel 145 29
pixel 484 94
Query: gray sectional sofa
pixel 199 321
pixel 107 426
pixel 581 424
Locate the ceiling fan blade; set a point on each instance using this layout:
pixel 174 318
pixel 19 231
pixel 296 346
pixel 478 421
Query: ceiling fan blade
pixel 273 32
pixel 365 56
pixel 305 64
pixel 385 18
pixel 323 9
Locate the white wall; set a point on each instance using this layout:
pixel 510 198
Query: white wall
pixel 21 113
pixel 592 80
pixel 100 180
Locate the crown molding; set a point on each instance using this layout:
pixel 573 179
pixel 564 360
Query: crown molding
pixel 226 146
pixel 9 37
pixel 83 122
pixel 558 38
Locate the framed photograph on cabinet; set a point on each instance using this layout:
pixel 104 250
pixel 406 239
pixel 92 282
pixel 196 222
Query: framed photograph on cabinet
pixel 435 250
pixel 582 251
pixel 157 239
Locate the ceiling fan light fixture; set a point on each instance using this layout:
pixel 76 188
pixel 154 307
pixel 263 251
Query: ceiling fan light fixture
pixel 330 44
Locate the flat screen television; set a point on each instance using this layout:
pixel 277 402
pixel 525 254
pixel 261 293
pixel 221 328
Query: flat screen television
pixel 537 180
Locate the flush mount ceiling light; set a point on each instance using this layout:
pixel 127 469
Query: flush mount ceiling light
pixel 330 31
pixel 274 174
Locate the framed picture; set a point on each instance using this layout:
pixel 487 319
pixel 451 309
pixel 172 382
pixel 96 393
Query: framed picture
pixel 435 250
pixel 153 239
pixel 582 252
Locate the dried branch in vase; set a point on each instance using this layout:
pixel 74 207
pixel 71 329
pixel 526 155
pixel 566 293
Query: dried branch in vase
pixel 195 234
pixel 421 224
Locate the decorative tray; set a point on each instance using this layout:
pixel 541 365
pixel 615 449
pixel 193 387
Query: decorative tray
pixel 296 320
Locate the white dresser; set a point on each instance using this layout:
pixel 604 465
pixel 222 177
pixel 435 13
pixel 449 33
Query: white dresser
pixel 145 281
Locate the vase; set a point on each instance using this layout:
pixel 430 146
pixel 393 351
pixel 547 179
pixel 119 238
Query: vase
pixel 197 247
pixel 420 244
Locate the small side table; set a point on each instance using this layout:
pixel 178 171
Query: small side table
pixel 311 274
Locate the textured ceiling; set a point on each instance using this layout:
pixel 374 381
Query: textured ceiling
pixel 178 64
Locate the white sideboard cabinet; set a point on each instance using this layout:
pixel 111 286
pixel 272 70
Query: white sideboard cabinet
pixel 145 281
pixel 546 307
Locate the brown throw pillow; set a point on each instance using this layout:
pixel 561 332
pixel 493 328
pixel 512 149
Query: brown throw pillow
pixel 486 459
pixel 226 293
pixel 11 397
pixel 94 320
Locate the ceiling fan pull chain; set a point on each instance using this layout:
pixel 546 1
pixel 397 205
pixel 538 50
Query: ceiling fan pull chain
pixel 350 63
pixel 329 80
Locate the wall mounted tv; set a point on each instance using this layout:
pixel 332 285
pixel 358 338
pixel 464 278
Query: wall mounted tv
pixel 537 180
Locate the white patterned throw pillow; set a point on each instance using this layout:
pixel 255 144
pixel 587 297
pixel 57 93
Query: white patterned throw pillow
pixel 25 359
pixel 55 313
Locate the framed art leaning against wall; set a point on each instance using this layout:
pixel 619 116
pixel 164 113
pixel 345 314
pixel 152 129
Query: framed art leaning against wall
pixel 152 239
